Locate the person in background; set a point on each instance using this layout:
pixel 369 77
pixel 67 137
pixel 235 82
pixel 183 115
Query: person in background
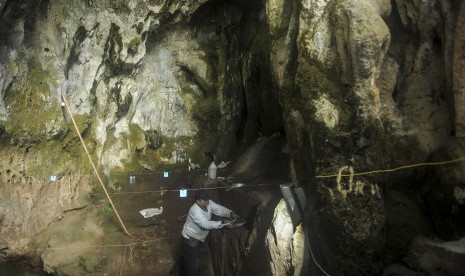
pixel 197 226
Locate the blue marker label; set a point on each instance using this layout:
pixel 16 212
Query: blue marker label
pixel 165 174
pixel 182 193
pixel 53 178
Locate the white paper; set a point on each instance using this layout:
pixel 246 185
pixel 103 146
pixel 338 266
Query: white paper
pixel 147 213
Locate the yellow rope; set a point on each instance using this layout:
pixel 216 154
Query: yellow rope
pixel 396 169
pixel 91 161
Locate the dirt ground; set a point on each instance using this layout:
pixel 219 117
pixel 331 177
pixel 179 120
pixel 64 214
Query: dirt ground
pixel 91 241
pixel 94 241
pixel 164 229
pixel 158 237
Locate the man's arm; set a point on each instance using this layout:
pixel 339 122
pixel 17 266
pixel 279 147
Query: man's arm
pixel 201 221
pixel 220 210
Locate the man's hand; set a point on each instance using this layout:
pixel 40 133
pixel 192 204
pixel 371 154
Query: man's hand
pixel 234 215
pixel 227 224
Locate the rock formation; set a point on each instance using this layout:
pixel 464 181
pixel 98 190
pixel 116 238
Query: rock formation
pixel 354 86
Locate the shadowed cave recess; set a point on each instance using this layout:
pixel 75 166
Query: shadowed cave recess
pixel 108 108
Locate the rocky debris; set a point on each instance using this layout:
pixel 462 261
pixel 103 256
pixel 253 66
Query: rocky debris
pixel 431 257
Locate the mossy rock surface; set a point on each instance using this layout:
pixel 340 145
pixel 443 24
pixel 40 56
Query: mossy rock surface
pixel 34 112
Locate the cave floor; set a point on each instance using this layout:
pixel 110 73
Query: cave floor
pixel 157 237
pixel 92 241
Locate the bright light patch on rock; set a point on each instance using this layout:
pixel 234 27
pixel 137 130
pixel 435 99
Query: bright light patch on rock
pixel 326 112
pixel 279 240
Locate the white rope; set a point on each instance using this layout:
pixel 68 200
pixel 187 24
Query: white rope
pixel 178 190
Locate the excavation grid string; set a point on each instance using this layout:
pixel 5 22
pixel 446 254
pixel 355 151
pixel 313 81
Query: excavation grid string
pixel 460 159
pixel 178 190
pixel 101 246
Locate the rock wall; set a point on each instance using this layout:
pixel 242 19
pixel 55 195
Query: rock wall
pixel 373 90
pixel 458 72
pixel 355 85
pixel 150 84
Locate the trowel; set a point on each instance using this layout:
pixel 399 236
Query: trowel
pixel 234 186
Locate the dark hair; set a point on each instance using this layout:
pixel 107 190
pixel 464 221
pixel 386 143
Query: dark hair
pixel 201 194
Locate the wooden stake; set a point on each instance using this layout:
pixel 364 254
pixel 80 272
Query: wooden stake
pixel 92 162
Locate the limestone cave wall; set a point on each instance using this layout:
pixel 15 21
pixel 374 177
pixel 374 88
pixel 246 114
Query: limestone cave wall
pixel 354 85
pixel 149 83
pixel 376 87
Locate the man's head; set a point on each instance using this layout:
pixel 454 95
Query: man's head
pixel 201 198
